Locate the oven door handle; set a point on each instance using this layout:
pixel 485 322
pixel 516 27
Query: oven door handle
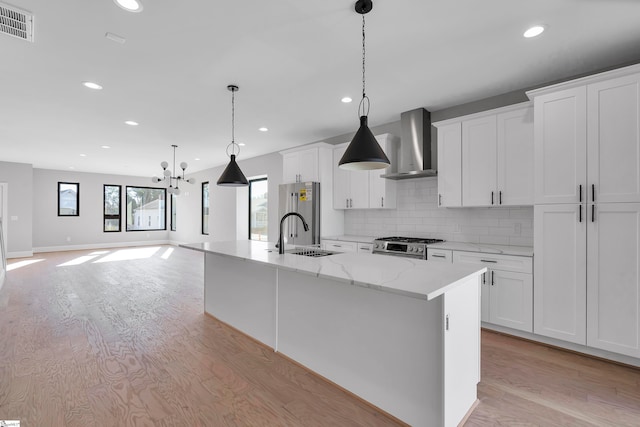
pixel 399 254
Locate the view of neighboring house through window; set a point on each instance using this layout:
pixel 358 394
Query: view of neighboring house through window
pixel 258 192
pixel 174 199
pixel 112 208
pixel 146 208
pixel 68 199
pixel 205 208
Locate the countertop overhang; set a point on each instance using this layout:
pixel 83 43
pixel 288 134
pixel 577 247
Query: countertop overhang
pixel 406 276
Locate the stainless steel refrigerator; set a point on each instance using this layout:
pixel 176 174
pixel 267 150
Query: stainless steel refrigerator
pixel 303 198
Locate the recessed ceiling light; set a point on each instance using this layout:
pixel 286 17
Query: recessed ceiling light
pixel 196 159
pixel 83 155
pixel 346 100
pixel 241 144
pixel 106 146
pixel 263 129
pixel 92 85
pixel 115 38
pixel 131 123
pixel 534 31
pixel 130 5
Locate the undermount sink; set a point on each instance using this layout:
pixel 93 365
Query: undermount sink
pixel 312 252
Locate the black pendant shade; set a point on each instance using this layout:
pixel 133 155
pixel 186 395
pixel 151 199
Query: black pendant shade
pixel 364 152
pixel 232 175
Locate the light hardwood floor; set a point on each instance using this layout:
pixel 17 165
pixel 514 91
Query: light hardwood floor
pixel 119 338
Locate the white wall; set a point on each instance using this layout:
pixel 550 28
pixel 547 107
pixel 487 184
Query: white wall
pixel 417 215
pixel 19 177
pixel 228 215
pixel 51 232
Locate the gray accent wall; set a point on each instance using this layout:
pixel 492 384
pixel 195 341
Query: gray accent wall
pixel 19 177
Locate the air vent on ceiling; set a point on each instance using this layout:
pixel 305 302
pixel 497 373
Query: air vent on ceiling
pixel 16 22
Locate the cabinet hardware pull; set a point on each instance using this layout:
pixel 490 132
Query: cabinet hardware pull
pixel 484 278
pixel 580 215
pixel 593 213
pixel 347 202
pixel 350 203
pixel 489 260
pixel 492 197
pixel 580 193
pixel 593 192
pixel 500 197
pixel 492 278
pixel 437 256
pixel 447 322
pixel 439 199
pixel 383 202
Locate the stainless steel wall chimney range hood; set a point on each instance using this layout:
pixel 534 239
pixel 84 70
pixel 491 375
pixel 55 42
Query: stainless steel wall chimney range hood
pixel 417 156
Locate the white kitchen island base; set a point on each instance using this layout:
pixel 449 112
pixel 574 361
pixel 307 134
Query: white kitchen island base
pixel 414 355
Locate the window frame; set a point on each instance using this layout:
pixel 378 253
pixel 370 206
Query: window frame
pixel 251 181
pixel 105 217
pixel 77 184
pixel 202 225
pixel 164 190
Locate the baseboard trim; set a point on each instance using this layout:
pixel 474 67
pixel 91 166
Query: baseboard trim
pixel 99 246
pixel 21 254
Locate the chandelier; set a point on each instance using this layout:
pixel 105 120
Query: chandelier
pixel 168 176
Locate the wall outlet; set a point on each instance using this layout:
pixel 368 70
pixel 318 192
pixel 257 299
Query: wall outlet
pixel 14 217
pixel 68 238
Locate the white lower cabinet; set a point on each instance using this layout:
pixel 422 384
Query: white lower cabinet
pixel 507 288
pixel 365 248
pixel 339 246
pixel 613 278
pixel 441 255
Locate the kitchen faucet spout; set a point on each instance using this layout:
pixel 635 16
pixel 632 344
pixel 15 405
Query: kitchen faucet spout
pixel 280 239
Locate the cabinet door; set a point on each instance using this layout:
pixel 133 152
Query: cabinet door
pixel 560 149
pixel 359 189
pixel 485 294
pixel 614 140
pixel 290 163
pixel 559 245
pixel 613 279
pixel 308 165
pixel 382 191
pixel 511 301
pixel 515 157
pixel 341 181
pixel 339 246
pixel 479 161
pixel 450 165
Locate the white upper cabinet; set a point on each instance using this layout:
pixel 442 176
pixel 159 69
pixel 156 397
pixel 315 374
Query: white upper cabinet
pixel 365 189
pixel 561 146
pixel 450 165
pixel 486 159
pixel 515 154
pixel 479 148
pixel 300 166
pixel 613 140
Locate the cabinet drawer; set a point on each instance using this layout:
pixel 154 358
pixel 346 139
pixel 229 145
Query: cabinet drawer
pixel 365 247
pixel 441 255
pixel 339 246
pixel 518 264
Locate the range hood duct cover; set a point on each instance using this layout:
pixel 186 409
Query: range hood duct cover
pixel 416 157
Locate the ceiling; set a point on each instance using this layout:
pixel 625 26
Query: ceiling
pixel 293 61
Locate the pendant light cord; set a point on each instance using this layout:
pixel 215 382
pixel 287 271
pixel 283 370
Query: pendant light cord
pixel 235 148
pixel 364 94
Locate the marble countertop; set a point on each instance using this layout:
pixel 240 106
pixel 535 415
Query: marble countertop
pixel 485 248
pixel 351 238
pixel 405 276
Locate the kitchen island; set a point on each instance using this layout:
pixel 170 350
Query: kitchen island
pixel 403 334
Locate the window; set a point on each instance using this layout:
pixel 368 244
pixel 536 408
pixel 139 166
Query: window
pixel 146 208
pixel 112 211
pixel 174 199
pixel 68 199
pixel 258 191
pixel 205 208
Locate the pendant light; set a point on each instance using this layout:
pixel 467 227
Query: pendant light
pixel 232 175
pixel 364 152
pixel 167 175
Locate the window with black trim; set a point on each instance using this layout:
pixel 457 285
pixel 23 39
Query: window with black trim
pixel 174 200
pixel 68 199
pixel 258 209
pixel 146 208
pixel 112 210
pixel 205 208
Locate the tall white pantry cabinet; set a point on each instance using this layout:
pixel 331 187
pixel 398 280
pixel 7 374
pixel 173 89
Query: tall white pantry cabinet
pixel 587 211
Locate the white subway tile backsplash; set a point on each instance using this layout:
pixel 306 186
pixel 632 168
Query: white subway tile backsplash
pixel 417 215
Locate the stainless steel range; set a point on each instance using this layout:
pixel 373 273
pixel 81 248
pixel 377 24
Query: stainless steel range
pixel 413 247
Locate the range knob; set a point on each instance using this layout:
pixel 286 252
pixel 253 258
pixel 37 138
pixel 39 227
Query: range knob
pixel 411 248
pixel 420 249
